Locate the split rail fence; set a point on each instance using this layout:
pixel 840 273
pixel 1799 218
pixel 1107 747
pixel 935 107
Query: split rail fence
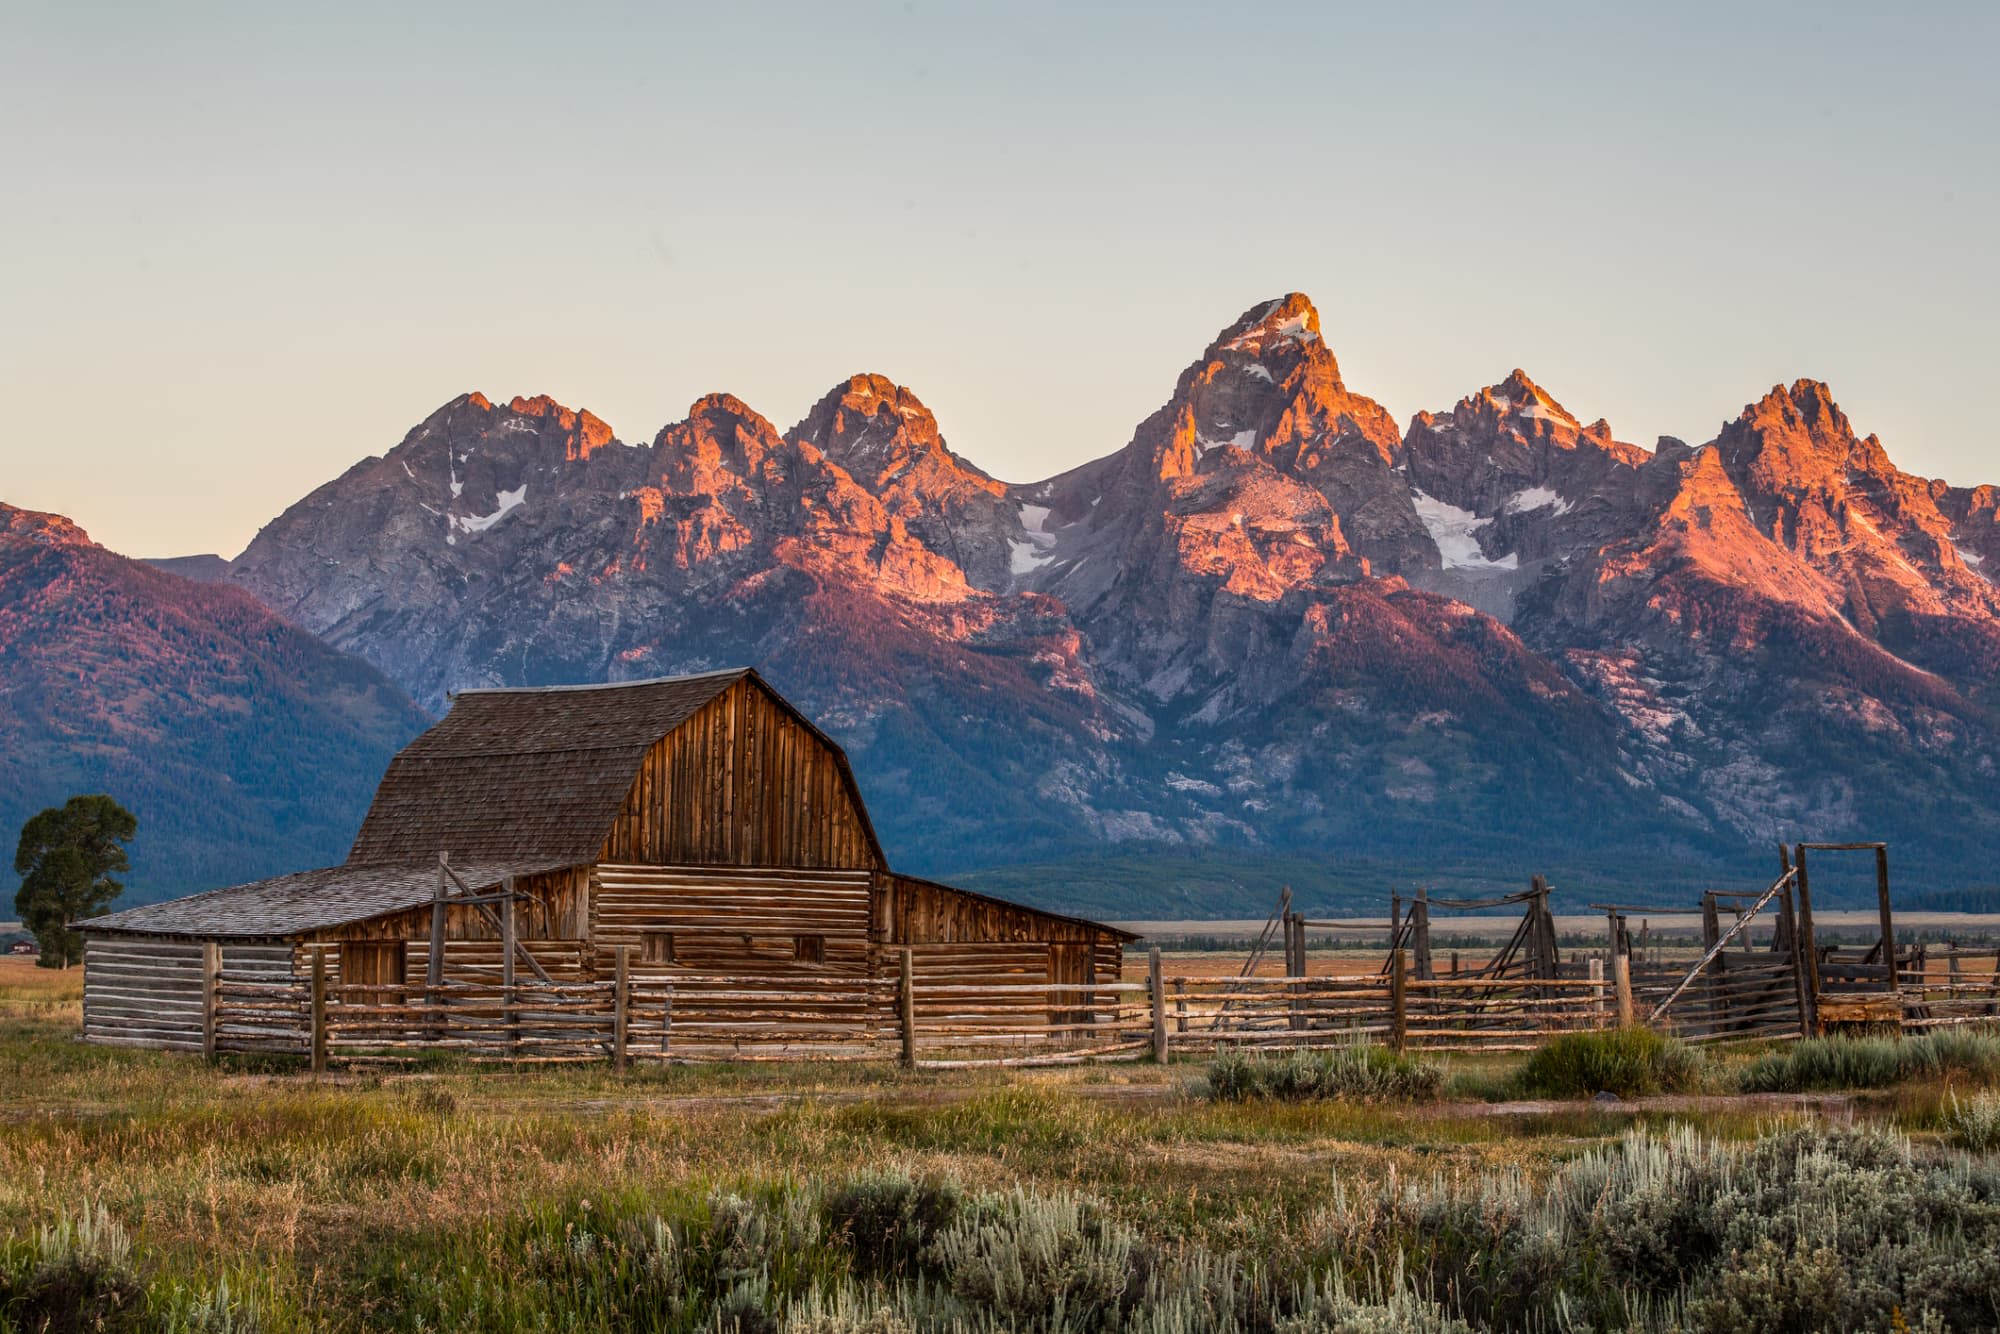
pixel 936 1024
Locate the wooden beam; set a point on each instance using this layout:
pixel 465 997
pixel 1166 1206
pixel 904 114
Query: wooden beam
pixel 1621 984
pixel 906 1007
pixel 507 943
pixel 1156 992
pixel 1888 922
pixel 211 966
pixel 1808 942
pixel 1399 1004
pixel 434 971
pixel 1420 933
pixel 319 1012
pixel 620 1000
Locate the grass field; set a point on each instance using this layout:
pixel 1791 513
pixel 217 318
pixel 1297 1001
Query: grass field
pixel 846 1197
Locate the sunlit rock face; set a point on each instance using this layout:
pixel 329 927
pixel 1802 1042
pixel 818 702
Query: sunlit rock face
pixel 1270 619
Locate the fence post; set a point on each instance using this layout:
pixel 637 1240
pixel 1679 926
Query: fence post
pixel 1621 983
pixel 1399 1004
pixel 1597 993
pixel 1888 922
pixel 319 1012
pixel 1809 945
pixel 906 1007
pixel 1180 1005
pixel 620 1005
pixel 1156 991
pixel 211 965
pixel 1420 934
pixel 509 1003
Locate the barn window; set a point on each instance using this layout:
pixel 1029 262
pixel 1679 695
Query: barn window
pixel 657 946
pixel 373 963
pixel 809 949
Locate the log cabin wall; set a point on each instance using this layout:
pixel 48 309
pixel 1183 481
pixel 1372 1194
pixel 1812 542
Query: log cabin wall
pixel 762 921
pixel 145 991
pixel 743 783
pixel 959 936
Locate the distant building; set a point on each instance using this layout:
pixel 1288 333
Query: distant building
pixel 701 821
pixel 23 947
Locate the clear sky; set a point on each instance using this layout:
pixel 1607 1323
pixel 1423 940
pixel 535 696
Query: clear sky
pixel 243 247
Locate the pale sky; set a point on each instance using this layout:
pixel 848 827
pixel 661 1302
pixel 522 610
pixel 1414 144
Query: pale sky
pixel 244 246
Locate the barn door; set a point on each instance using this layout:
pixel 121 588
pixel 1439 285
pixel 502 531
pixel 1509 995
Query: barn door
pixel 1071 965
pixel 373 963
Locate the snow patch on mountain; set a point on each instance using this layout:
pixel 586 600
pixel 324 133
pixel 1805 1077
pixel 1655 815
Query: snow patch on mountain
pixel 509 501
pixel 1455 532
pixel 1535 498
pixel 1025 557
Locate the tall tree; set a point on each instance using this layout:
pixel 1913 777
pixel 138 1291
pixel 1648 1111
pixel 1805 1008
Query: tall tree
pixel 67 858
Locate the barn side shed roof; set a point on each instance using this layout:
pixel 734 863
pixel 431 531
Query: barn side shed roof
pixel 290 905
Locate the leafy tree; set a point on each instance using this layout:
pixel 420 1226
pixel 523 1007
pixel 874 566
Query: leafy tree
pixel 66 860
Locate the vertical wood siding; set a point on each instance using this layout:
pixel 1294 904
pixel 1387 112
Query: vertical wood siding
pixel 742 783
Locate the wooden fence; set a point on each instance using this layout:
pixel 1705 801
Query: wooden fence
pixel 942 1023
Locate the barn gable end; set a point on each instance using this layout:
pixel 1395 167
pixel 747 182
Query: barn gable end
pixel 744 781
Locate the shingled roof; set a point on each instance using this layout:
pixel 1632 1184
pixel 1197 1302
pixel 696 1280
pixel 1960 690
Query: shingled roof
pixel 538 772
pixel 307 901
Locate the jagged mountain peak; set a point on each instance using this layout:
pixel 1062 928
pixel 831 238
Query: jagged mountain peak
pixel 1806 405
pixel 1285 330
pixel 878 429
pixel 723 422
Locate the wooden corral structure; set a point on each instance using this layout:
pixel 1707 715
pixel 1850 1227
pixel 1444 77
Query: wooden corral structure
pixel 694 840
pixel 1781 981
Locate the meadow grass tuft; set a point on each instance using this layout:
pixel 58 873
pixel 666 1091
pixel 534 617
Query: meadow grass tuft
pixel 1630 1062
pixel 1357 1072
pixel 1974 1121
pixel 1872 1062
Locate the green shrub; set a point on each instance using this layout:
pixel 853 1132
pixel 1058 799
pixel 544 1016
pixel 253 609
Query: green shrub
pixel 1363 1073
pixel 1844 1062
pixel 1802 1230
pixel 1630 1062
pixel 1974 1122
pixel 888 1219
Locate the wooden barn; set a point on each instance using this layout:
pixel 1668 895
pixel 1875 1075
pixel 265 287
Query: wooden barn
pixel 701 821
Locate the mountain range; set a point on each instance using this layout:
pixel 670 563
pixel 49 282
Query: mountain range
pixel 1272 628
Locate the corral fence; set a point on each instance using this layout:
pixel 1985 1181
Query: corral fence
pixel 938 1025
pixel 1782 985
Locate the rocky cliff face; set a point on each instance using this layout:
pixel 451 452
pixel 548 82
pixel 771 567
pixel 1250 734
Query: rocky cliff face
pixel 244 745
pixel 1270 620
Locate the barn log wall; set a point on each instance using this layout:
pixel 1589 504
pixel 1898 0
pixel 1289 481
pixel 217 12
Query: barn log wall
pixel 743 783
pixel 145 991
pixel 929 917
pixel 960 943
pixel 726 920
